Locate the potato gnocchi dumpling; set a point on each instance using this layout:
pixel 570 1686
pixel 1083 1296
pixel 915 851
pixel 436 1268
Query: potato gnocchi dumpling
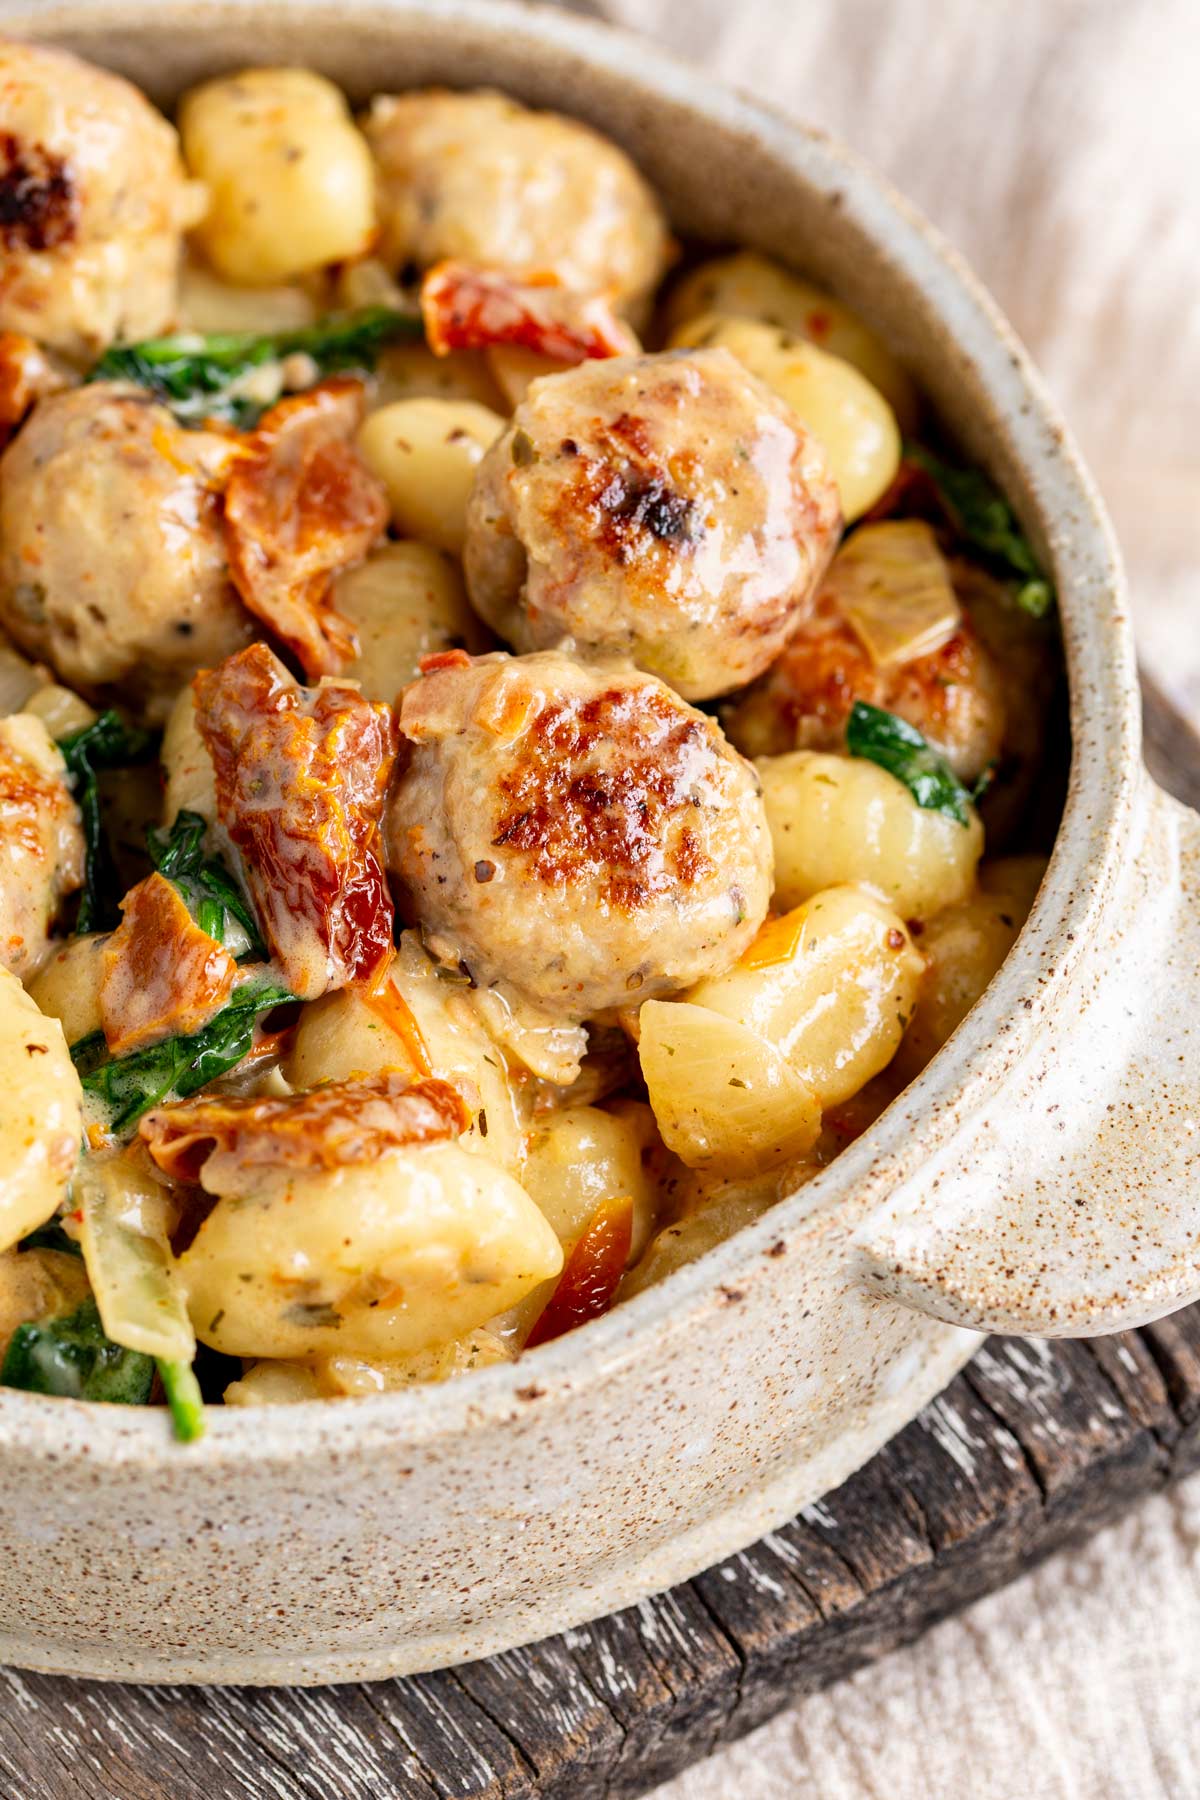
pixel 418 1019
pixel 405 602
pixel 749 286
pixel 381 1260
pixel 416 966
pixel 426 452
pixel 289 177
pixel 730 1205
pixel 838 818
pixel 67 985
pixel 740 1069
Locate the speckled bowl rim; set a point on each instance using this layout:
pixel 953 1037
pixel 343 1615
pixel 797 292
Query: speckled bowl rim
pixel 1105 770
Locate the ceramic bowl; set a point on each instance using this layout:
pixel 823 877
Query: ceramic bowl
pixel 1040 1176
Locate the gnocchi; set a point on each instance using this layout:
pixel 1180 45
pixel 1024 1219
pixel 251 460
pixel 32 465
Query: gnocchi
pixel 405 602
pixel 415 1019
pixel 67 986
pixel 830 985
pixel 289 177
pixel 731 1206
pixel 843 819
pixel 421 1247
pixel 426 451
pixel 746 285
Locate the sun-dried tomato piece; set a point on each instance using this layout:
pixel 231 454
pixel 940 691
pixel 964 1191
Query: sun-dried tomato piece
pixel 468 308
pixel 300 507
pixel 26 375
pixel 217 1140
pixel 591 1274
pixel 162 976
pixel 301 775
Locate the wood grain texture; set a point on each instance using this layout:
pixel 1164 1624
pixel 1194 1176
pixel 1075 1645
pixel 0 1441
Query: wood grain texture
pixel 1033 1447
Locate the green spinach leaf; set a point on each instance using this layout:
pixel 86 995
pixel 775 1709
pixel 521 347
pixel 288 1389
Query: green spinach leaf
pixel 200 377
pixel 986 521
pixel 107 743
pixel 213 897
pixel 50 1236
pixel 73 1356
pixel 895 745
pixel 130 1085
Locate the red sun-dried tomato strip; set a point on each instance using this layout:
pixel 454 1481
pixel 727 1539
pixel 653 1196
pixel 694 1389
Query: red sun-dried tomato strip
pixel 468 308
pixel 301 776
pixel 162 976
pixel 592 1272
pixel 300 507
pixel 218 1139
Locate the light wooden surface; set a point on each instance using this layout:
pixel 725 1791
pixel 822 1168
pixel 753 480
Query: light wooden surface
pixel 1034 1447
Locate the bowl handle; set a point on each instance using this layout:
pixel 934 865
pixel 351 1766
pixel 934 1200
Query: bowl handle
pixel 1070 1203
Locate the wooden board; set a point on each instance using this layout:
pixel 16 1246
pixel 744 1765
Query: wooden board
pixel 1033 1447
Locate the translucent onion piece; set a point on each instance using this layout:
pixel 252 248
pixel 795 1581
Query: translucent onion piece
pixel 893 586
pixel 125 1217
pixel 723 1097
pixel 19 678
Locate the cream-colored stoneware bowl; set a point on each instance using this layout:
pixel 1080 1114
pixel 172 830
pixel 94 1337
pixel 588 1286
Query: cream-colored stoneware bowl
pixel 1042 1176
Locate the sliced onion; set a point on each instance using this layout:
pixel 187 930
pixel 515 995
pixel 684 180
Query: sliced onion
pixel 19 678
pixel 126 1216
pixel 723 1097
pixel 893 586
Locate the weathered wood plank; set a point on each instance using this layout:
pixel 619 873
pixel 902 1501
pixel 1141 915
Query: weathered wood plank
pixel 1033 1447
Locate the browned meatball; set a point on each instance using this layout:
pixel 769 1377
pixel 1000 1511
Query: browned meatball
pixel 583 837
pixel 667 509
pixel 480 178
pixel 112 556
pixel 954 696
pixel 41 841
pixel 93 204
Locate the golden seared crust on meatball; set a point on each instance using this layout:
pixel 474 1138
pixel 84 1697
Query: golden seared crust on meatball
pixel 667 509
pixel 41 841
pixel 954 696
pixel 580 835
pixel 480 178
pixel 93 204
pixel 112 554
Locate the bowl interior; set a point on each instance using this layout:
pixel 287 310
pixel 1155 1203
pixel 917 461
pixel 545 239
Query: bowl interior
pixel 728 171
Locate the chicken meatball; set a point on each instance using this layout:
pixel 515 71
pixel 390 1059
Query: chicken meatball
pixel 41 841
pixel 954 696
pixel 482 179
pixel 581 837
pixel 112 553
pixel 665 509
pixel 93 204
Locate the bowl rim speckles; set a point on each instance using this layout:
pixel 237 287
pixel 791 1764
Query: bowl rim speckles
pixel 709 1408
